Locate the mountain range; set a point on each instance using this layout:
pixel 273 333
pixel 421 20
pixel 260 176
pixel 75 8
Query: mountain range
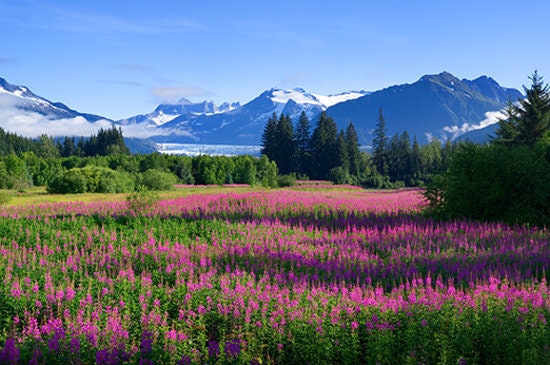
pixel 439 105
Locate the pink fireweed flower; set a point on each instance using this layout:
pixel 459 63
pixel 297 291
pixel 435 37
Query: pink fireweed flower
pixel 16 291
pixel 69 293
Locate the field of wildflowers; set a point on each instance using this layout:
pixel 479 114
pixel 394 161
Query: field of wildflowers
pixel 269 277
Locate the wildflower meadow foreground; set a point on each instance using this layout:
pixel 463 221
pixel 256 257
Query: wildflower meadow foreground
pixel 269 277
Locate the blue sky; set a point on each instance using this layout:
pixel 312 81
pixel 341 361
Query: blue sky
pixel 122 58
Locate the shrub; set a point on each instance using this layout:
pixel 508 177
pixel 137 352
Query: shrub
pixel 154 179
pixel 112 181
pixel 70 182
pixel 339 175
pixel 286 180
pixel 494 183
pixel 142 201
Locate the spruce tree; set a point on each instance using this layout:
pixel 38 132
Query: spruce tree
pixel 286 150
pixel 380 145
pixel 416 161
pixel 342 152
pixel 302 138
pixel 323 147
pixel 354 154
pixel 534 112
pixel 269 138
pixel 508 130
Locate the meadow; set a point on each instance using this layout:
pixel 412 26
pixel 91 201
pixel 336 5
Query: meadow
pixel 309 275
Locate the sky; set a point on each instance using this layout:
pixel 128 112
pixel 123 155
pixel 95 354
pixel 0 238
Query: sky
pixel 122 58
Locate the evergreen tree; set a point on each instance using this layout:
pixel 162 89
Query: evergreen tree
pixel 416 161
pixel 323 147
pixel 379 145
pixel 399 157
pixel 269 138
pixel 68 147
pixel 534 111
pixel 508 130
pixel 303 140
pixel 342 152
pixel 46 147
pixel 354 154
pixel 285 156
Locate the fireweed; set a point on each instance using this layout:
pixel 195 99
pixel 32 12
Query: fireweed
pixel 270 277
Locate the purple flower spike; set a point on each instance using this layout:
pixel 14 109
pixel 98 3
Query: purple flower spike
pixel 10 352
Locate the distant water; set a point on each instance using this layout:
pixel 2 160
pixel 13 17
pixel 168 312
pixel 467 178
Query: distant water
pixel 191 149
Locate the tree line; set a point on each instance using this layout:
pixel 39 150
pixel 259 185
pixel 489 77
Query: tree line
pixel 328 154
pixel 105 142
pixel 118 173
pixel 507 178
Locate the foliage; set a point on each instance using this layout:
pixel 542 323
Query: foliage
pixel 495 183
pixel 266 172
pixel 286 180
pixel 106 142
pixel 379 145
pixel 339 175
pixel 527 122
pixel 142 201
pixel 296 150
pixel 154 179
pixel 92 179
pixel 506 180
pixel 5 198
pixel 270 278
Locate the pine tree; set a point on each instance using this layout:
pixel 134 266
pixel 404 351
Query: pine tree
pixel 380 145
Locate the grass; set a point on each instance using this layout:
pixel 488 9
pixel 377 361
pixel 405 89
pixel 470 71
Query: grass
pixel 38 195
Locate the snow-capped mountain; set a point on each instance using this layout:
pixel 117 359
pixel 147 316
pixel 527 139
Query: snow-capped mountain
pixel 165 113
pixel 27 114
pixel 244 124
pixel 25 100
pixel 439 105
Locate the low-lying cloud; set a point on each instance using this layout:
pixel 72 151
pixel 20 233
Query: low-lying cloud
pixel 30 124
pixel 491 118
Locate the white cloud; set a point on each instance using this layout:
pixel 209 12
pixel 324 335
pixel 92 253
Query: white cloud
pixel 490 118
pixel 145 130
pixel 32 124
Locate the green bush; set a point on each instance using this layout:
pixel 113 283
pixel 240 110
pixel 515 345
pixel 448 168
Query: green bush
pixel 70 182
pixel 286 180
pixel 91 179
pixel 339 175
pixel 495 183
pixel 142 201
pixel 112 181
pixel 154 179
